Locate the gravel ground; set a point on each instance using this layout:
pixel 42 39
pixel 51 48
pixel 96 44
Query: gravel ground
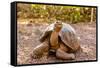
pixel 28 36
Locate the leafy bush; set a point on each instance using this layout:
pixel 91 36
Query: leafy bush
pixel 72 14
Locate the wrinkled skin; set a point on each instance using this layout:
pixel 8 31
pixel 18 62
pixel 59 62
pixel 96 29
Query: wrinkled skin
pixel 41 50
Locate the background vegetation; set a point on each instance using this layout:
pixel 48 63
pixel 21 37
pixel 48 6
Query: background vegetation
pixel 49 13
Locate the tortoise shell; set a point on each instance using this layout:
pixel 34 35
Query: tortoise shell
pixel 67 34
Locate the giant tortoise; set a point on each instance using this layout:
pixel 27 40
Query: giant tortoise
pixel 60 39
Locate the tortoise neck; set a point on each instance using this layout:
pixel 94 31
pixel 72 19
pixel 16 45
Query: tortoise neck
pixel 57 30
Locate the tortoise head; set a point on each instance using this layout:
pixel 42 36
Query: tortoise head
pixel 58 26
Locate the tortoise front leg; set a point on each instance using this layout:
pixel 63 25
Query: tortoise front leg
pixel 64 55
pixel 61 53
pixel 40 50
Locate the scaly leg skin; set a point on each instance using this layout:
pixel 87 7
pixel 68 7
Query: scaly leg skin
pixel 61 53
pixel 64 55
pixel 40 50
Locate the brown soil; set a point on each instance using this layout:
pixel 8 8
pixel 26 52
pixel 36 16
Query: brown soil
pixel 28 38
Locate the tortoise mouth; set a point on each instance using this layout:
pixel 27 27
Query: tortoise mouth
pixel 59 26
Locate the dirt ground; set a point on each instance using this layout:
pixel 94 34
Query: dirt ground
pixel 28 38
